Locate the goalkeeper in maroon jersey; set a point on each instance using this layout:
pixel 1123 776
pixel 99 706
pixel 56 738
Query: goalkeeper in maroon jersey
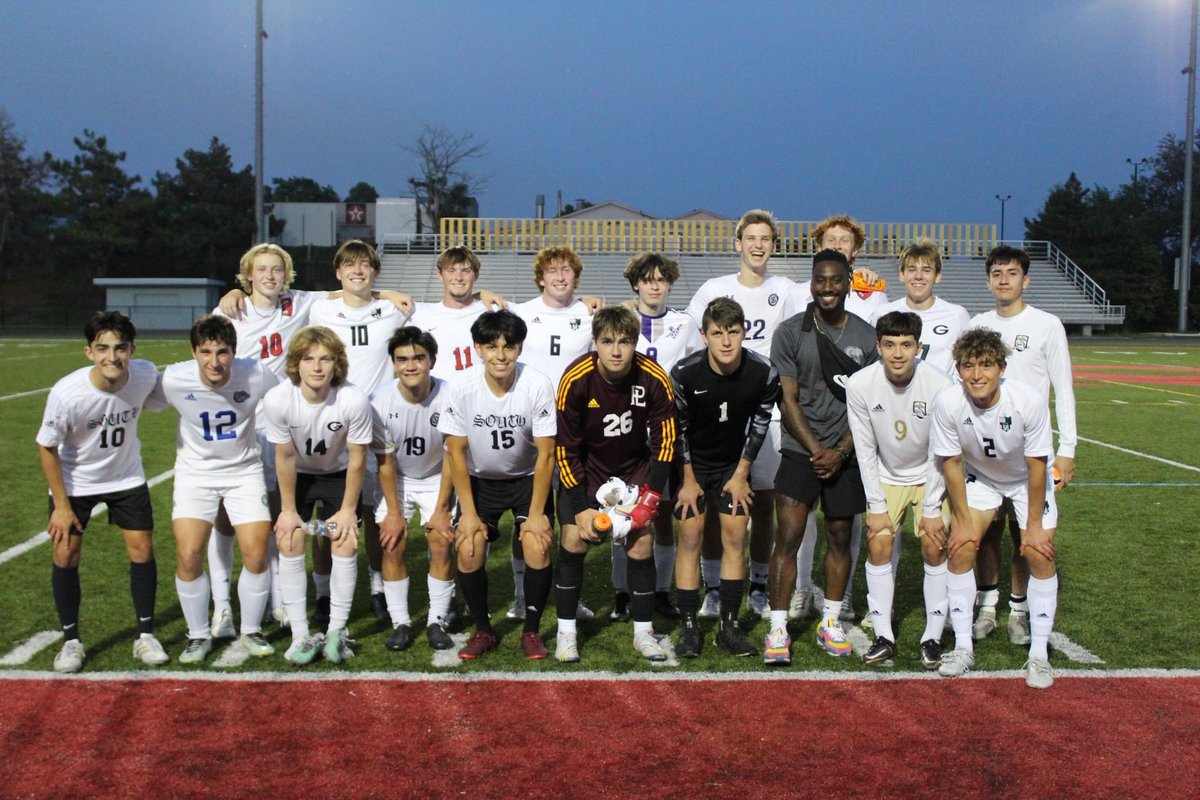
pixel 607 400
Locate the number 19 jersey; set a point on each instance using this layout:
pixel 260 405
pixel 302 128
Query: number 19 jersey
pixel 410 430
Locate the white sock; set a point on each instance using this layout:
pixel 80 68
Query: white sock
pixel 620 561
pixel 937 604
pixel 804 556
pixel 220 569
pixel 342 578
pixel 193 599
pixel 518 570
pixel 322 584
pixel 664 566
pixel 376 580
pixel 778 619
pixel 881 589
pixel 440 594
pixel 253 591
pixel 710 570
pixel 566 626
pixel 1043 603
pixel 293 585
pixel 960 591
pixel 758 571
pixel 273 567
pixel 989 598
pixel 830 609
pixel 396 593
pixel 642 627
pixel 855 548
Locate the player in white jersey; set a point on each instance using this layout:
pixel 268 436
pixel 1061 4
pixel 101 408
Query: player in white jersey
pixel 993 443
pixel 667 336
pixel 321 427
pixel 499 423
pixel 450 319
pixel 941 321
pixel 411 478
pixel 218 462
pixel 889 404
pixel 90 453
pixel 1038 356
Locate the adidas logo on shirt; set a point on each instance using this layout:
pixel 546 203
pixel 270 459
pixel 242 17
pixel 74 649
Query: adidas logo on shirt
pixel 189 396
pixel 878 408
pixel 537 320
pixel 593 404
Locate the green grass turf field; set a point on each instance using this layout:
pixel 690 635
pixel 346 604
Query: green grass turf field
pixel 1127 539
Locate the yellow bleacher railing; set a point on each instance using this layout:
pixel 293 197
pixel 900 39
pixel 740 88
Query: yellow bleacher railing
pixel 492 234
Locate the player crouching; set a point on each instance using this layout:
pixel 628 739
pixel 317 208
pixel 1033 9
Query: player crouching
pixel 321 427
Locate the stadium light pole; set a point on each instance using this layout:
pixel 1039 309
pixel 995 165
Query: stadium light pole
pixel 260 222
pixel 1003 201
pixel 1185 244
pixel 1141 162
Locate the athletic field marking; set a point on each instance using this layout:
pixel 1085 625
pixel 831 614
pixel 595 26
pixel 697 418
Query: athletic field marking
pixel 859 641
pixel 1147 388
pixel 669 646
pixel 1154 484
pixel 1177 402
pixel 444 659
pixel 24 652
pixel 1139 453
pixel 1166 353
pixel 1121 402
pixel 233 656
pixel 573 677
pixel 44 536
pixel 24 394
pixel 1062 644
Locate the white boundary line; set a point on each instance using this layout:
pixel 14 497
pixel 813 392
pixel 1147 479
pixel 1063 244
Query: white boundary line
pixel 25 652
pixel 569 676
pixel 44 536
pixel 1139 453
pixel 24 394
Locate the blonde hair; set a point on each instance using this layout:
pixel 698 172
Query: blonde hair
pixel 246 265
pixel 926 249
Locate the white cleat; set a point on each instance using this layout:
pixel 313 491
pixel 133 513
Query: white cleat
pixel 70 658
pixel 711 607
pixel 801 606
pixel 222 624
pixel 650 645
pixel 956 663
pixel 149 651
pixel 758 604
pixel 566 648
pixel 1038 674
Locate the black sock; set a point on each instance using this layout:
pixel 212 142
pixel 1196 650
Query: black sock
pixel 757 587
pixel 475 590
pixel 64 581
pixel 1013 599
pixel 689 601
pixel 731 600
pixel 143 586
pixel 989 587
pixel 537 592
pixel 641 576
pixel 569 584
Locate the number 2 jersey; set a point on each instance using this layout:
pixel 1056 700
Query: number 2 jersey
pixel 215 437
pixel 319 432
pixel 96 432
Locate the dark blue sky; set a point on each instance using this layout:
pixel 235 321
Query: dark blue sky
pixel 913 111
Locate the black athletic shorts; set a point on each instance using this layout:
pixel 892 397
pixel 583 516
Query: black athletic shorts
pixel 843 496
pixel 128 509
pixel 710 492
pixel 327 489
pixel 494 496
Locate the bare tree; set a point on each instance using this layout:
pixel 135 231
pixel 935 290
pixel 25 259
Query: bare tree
pixel 442 185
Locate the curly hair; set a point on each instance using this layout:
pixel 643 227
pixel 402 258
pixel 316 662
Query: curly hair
pixel 307 339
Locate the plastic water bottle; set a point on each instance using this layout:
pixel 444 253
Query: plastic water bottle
pixel 319 527
pixel 602 526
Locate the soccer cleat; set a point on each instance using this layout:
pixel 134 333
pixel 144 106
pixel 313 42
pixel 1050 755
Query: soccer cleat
pixel 566 648
pixel 437 637
pixel 321 611
pixel 305 650
pixel 480 642
pixel 867 623
pixel 401 638
pixel 516 609
pixel 931 654
pixel 582 613
pixel 620 609
pixel 149 651
pixel 1038 674
pixel 688 643
pixel 711 607
pixel 880 653
pixel 801 606
pixel 664 607
pixel 956 663
pixel 532 646
pixel 758 605
pixel 379 608
pixel 832 638
pixel 650 646
pixel 257 645
pixel 732 639
pixel 985 623
pixel 1018 628
pixel 279 614
pixel 777 648
pixel 337 646
pixel 846 613
pixel 70 658
pixel 196 651
pixel 222 624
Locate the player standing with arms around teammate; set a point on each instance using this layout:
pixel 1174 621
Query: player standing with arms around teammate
pixel 90 453
pixel 993 442
pixel 724 398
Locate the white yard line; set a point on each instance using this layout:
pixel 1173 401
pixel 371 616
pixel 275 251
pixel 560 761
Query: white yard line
pixel 1118 448
pixel 30 393
pixel 234 655
pixel 24 652
pixel 444 659
pixel 1075 652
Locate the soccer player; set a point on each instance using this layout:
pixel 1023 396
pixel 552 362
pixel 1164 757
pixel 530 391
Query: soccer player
pixel 724 398
pixel 815 352
pixel 218 462
pixel 993 442
pixel 499 429
pixel 1038 356
pixel 941 321
pixel 889 404
pixel 90 453
pixel 321 427
pixel 451 319
pixel 666 336
pixel 607 401
pixel 412 478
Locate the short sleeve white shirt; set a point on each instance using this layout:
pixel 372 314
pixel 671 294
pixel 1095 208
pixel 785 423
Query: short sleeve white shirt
pixel 765 306
pixel 410 431
pixel 365 331
pixel 319 432
pixel 668 337
pixel 264 334
pixel 451 329
pixel 557 336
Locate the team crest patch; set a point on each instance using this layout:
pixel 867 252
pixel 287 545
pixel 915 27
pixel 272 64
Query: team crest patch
pixel 335 426
pixel 377 314
pixel 919 409
pixel 673 331
pixel 285 306
pixel 433 420
pixel 1020 343
pixel 575 323
pixel 854 352
pixel 773 300
pixel 241 396
pixel 1006 424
